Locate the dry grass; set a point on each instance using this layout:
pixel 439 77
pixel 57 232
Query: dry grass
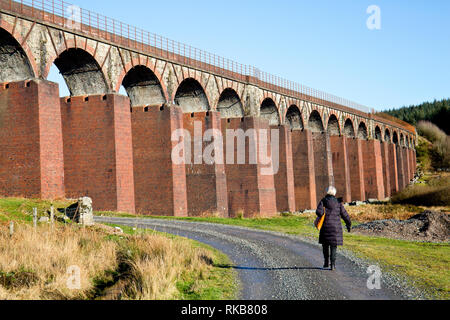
pixel 156 266
pixel 368 213
pixel 43 256
pixel 440 152
pixel 34 264
pixel 434 192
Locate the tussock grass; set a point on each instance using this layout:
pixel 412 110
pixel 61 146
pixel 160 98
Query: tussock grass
pixel 164 270
pixel 134 265
pixel 45 254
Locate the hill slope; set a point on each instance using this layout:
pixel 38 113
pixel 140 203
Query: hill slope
pixel 437 112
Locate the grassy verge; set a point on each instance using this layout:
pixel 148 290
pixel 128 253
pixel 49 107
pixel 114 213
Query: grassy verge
pixel 426 263
pixel 215 284
pixel 133 265
pixel 17 209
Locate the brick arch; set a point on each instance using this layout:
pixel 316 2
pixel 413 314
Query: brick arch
pixel 316 111
pixel 289 103
pixel 362 134
pixel 130 65
pixel 395 134
pixel 227 87
pixel 378 133
pixel 198 81
pixel 331 114
pixel 237 108
pixel 195 77
pixel 71 44
pixel 287 121
pixel 315 107
pixel 387 133
pixel 80 44
pixel 223 84
pixel 269 96
pixel 29 54
pixel 353 132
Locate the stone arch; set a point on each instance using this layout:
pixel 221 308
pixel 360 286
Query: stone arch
pixel 82 73
pixel 349 129
pixel 143 87
pixel 270 112
pixel 230 104
pixel 135 63
pixel 387 136
pixel 191 96
pixel 378 134
pixel 315 123
pixel 333 128
pixel 294 118
pixel 15 64
pixel 362 131
pixel 395 138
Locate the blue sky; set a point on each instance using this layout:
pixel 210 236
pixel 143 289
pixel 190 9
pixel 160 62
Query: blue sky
pixel 322 44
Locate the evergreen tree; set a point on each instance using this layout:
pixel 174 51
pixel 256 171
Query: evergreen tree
pixel 437 112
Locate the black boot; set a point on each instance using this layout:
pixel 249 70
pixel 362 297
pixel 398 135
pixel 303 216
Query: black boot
pixel 326 255
pixel 333 258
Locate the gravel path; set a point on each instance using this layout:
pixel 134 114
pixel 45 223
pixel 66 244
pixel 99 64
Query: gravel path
pixel 273 266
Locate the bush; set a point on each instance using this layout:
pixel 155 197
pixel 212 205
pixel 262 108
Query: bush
pixel 423 151
pixel 440 151
pixel 430 131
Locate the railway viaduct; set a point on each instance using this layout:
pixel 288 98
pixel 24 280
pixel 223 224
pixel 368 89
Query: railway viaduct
pixel 117 149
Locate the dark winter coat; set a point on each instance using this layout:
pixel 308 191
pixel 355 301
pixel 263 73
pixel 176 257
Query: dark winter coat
pixel 331 233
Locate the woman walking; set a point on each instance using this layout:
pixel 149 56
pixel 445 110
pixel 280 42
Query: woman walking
pixel 331 234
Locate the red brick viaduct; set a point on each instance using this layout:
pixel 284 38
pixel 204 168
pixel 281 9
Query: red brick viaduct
pixel 117 149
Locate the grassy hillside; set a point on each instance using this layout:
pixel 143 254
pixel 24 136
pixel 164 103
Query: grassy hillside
pixel 433 157
pixel 133 265
pixel 438 148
